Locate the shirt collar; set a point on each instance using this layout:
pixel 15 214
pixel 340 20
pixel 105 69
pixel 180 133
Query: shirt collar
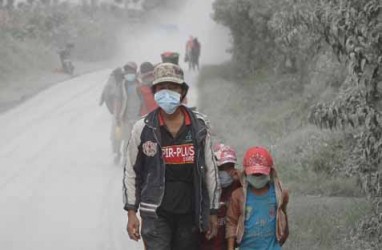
pixel 187 118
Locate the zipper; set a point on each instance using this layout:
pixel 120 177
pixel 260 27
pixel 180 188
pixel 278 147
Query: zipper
pixel 200 179
pixel 164 167
pixel 195 134
pixel 201 196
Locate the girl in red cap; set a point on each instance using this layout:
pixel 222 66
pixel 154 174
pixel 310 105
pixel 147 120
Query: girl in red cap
pixel 256 216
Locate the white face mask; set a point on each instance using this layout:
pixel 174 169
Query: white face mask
pixel 225 179
pixel 168 100
pixel 258 181
pixel 130 77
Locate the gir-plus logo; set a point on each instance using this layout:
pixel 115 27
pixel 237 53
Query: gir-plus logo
pixel 179 154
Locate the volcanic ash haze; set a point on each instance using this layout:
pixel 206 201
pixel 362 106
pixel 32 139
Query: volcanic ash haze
pixel 59 188
pixel 168 30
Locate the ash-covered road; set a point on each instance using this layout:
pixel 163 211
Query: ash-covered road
pixel 59 188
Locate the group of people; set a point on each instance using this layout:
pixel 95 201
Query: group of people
pixel 128 95
pixel 127 88
pixel 187 189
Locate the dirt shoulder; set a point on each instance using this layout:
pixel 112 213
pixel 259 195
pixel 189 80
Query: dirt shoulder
pixel 22 87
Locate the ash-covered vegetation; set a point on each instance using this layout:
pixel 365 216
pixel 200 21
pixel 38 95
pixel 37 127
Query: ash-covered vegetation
pixel 33 31
pixel 306 82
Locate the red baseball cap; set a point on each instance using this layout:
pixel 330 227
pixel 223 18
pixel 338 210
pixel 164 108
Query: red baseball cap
pixel 257 160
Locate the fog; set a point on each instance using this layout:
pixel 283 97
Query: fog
pixel 59 188
pixel 168 30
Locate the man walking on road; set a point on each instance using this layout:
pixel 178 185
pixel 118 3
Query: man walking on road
pixel 169 173
pixel 114 95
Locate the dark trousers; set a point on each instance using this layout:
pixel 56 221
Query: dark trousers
pixel 170 232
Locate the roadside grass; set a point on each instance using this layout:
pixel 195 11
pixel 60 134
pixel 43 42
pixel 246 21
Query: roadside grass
pixel 320 184
pixel 21 58
pixel 30 41
pixel 272 111
pixel 313 162
pixel 323 222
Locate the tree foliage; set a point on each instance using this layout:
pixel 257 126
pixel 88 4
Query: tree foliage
pixel 247 20
pixel 352 31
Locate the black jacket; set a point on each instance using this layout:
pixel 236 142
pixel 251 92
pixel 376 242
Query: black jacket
pixel 144 169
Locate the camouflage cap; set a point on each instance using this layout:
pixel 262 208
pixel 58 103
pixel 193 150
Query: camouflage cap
pixel 168 72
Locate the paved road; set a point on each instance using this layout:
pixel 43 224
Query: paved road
pixel 58 186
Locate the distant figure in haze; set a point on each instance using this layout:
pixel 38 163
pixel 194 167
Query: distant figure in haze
pixel 130 72
pixel 188 51
pixel 131 83
pixel 65 58
pixel 121 99
pixel 114 95
pixel 170 57
pixel 196 52
pixel 192 53
pixel 146 77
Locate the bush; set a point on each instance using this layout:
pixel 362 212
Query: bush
pixel 38 31
pixel 302 30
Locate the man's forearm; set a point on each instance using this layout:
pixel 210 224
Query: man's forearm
pixel 231 243
pixel 131 212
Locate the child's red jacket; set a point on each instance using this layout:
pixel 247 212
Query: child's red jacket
pixel 236 211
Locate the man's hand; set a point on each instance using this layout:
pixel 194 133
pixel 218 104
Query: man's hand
pixel 212 226
pixel 231 243
pixel 133 226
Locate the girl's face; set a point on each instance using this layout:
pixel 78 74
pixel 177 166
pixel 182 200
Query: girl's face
pixel 258 181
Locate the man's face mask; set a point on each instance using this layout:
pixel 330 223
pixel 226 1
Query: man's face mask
pixel 258 181
pixel 225 178
pixel 130 77
pixel 168 100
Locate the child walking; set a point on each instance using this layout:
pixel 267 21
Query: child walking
pixel 225 157
pixel 256 216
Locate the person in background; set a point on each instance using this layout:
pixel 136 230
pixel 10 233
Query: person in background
pixel 188 55
pixel 130 71
pixel 169 171
pixel 171 57
pixel 146 77
pixel 65 55
pixel 189 45
pixel 115 97
pixel 256 216
pixel 131 83
pixel 225 157
pixel 196 52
